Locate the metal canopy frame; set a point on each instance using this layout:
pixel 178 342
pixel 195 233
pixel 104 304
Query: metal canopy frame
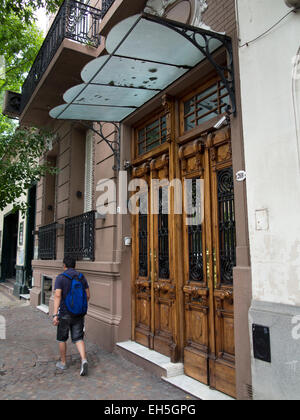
pixel 226 73
pixel 198 37
pixel 114 145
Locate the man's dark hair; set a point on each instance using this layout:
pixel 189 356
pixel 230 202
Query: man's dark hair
pixel 70 262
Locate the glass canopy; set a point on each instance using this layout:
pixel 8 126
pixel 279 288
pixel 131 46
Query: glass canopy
pixel 145 55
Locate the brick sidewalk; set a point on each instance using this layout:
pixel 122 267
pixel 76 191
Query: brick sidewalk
pixel 27 366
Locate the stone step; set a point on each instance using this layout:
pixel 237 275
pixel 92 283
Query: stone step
pixel 149 360
pixel 173 373
pixel 8 286
pixel 25 297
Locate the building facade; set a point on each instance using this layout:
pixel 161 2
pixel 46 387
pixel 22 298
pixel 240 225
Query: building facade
pixel 271 131
pixel 17 244
pixel 182 292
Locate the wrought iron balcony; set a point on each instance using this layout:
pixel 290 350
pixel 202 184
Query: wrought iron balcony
pixel 76 21
pixel 80 237
pixel 47 242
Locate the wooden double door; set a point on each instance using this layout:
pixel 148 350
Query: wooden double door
pixel 183 301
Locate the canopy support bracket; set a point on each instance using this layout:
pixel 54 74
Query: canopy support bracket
pixel 115 144
pixel 201 38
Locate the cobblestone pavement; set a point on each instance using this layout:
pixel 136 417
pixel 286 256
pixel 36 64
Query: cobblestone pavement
pixel 29 354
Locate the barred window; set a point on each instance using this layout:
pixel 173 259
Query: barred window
pixel 205 105
pixel 152 135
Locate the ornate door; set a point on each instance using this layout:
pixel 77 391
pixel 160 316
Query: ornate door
pixel 209 242
pixel 154 285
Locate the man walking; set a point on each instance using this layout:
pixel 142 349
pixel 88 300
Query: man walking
pixel 71 287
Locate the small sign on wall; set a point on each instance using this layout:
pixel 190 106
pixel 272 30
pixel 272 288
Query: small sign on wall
pixel 21 234
pixel 262 219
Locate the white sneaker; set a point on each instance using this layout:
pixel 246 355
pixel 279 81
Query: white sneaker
pixel 84 368
pixel 61 366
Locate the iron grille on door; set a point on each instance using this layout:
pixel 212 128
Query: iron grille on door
pixel 80 237
pixel 143 235
pixel 227 233
pixel 143 245
pixel 163 235
pixel 195 239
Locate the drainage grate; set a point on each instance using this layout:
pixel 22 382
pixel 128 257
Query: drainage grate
pixel 249 392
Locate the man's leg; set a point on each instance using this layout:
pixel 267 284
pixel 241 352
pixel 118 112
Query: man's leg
pixel 63 353
pixel 81 349
pixel 62 338
pixel 77 331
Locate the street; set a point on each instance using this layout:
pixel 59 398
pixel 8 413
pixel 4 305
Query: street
pixel 29 354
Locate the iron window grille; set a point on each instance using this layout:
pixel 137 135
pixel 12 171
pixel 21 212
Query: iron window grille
pixel 206 105
pixel 80 237
pixel 152 136
pixel 47 242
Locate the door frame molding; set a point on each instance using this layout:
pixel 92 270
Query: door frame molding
pixel 242 272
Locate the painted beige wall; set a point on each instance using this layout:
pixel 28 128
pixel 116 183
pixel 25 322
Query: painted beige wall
pixel 107 312
pixel 271 148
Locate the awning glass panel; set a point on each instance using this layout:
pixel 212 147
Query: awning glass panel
pixel 131 72
pixel 108 95
pixel 146 55
pixel 152 41
pixel 90 113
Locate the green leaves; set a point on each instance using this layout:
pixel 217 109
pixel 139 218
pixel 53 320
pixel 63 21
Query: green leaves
pixel 24 9
pixel 20 148
pixel 19 45
pixel 20 164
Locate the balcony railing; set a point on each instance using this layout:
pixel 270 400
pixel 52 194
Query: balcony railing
pixel 47 242
pixel 76 21
pixel 80 237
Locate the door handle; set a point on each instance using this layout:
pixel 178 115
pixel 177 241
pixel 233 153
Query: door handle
pixel 215 269
pixel 155 266
pixel 207 266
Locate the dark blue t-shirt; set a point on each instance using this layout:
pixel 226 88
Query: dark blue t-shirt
pixel 64 284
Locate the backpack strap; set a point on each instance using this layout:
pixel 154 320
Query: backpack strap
pixel 72 278
pixel 68 277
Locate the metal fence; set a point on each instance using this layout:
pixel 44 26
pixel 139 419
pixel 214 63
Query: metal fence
pixel 47 242
pixel 76 21
pixel 80 237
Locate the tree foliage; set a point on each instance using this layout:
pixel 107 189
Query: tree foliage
pixel 25 9
pixel 20 148
pixel 19 45
pixel 19 164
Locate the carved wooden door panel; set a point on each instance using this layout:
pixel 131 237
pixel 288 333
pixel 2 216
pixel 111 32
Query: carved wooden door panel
pixel 164 289
pixel 142 262
pixel 222 358
pixel 196 285
pixel 209 260
pixel 154 289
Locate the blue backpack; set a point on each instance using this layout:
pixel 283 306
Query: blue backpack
pixel 76 300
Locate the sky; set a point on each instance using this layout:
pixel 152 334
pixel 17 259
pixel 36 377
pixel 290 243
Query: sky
pixel 42 20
